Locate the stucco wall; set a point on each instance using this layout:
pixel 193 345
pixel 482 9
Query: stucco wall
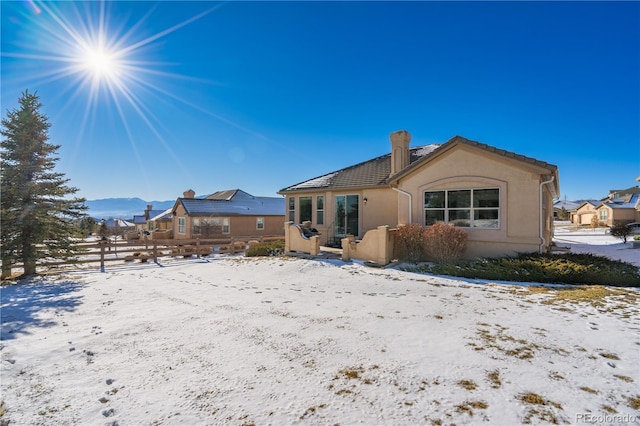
pixel 239 226
pixel 470 168
pixel 381 208
pixel 584 214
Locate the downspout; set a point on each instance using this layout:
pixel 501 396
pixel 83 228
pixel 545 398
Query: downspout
pixel 544 241
pixel 410 201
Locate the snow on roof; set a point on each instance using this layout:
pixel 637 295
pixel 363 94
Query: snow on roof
pixel 319 182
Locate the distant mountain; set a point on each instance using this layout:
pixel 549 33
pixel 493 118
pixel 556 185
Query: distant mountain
pixel 122 208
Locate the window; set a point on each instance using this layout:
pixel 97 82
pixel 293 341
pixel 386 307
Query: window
pixel 320 210
pixel 346 215
pixel 292 209
pixel 182 225
pixel 305 209
pixel 260 223
pixel 604 214
pixel 195 226
pixel 225 225
pixel 471 208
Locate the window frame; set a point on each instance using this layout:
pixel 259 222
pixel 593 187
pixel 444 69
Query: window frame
pixel 182 225
pixel 320 210
pixel 292 209
pixel 460 207
pixel 196 229
pixel 604 214
pixel 260 223
pixel 304 208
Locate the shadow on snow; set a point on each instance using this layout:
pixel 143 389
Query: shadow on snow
pixel 21 304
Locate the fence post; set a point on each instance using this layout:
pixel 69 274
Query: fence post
pixel 198 248
pixel 233 246
pixel 101 256
pixel 155 252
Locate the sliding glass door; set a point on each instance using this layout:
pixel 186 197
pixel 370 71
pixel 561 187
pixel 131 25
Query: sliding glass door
pixel 346 220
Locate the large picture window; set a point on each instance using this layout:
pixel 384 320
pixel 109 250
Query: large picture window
pixel 210 226
pixel 470 208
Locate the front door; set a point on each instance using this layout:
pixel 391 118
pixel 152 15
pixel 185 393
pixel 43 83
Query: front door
pixel 346 220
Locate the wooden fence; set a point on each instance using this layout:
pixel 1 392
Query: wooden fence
pixel 104 252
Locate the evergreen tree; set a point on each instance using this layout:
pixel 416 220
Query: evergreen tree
pixel 37 213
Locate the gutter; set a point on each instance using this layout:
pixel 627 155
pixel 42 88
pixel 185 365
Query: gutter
pixel 410 201
pixel 542 239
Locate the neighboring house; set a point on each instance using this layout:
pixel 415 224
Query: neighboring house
pixel 142 222
pixel 162 221
pixel 503 200
pixel 117 227
pixel 569 207
pixel 622 193
pixel 620 210
pixel 621 206
pixel 585 212
pixel 232 213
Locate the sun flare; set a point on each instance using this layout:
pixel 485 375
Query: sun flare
pixel 100 63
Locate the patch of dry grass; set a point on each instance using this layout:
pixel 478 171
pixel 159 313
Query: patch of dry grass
pixel 609 355
pixel 535 399
pixel 469 385
pixel 623 378
pixel 469 406
pixel 494 378
pixel 589 390
pixel 634 402
pixel 543 408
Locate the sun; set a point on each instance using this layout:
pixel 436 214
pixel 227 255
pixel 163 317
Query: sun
pixel 100 63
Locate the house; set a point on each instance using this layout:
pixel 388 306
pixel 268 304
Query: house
pixel 231 213
pixel 565 207
pixel 162 221
pixel 585 212
pixel 142 222
pixel 619 210
pixel 620 206
pixel 503 200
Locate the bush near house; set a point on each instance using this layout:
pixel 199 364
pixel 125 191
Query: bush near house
pixel 569 268
pixel 440 242
pixel 444 243
pixel 272 248
pixel 410 242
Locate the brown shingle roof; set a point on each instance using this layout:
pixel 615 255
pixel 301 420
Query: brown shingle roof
pixel 375 172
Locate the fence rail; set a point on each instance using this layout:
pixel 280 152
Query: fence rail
pixel 104 252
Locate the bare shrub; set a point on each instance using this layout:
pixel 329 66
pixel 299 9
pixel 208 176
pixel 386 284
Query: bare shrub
pixel 410 242
pixel 444 243
pixel 621 231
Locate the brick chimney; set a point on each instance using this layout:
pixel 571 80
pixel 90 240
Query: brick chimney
pixel 399 150
pixel 189 193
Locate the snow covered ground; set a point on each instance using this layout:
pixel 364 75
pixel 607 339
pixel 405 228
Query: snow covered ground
pixel 229 340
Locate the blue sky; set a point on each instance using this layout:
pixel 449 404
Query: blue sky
pixel 148 99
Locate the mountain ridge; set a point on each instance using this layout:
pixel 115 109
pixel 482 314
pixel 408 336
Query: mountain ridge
pixel 122 208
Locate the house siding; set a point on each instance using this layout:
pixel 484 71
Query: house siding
pixel 519 211
pixel 239 226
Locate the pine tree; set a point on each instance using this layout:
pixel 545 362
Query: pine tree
pixel 36 211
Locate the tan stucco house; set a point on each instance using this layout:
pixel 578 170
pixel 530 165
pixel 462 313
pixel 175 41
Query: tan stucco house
pixel 229 213
pixel 585 213
pixel 503 200
pixel 625 209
